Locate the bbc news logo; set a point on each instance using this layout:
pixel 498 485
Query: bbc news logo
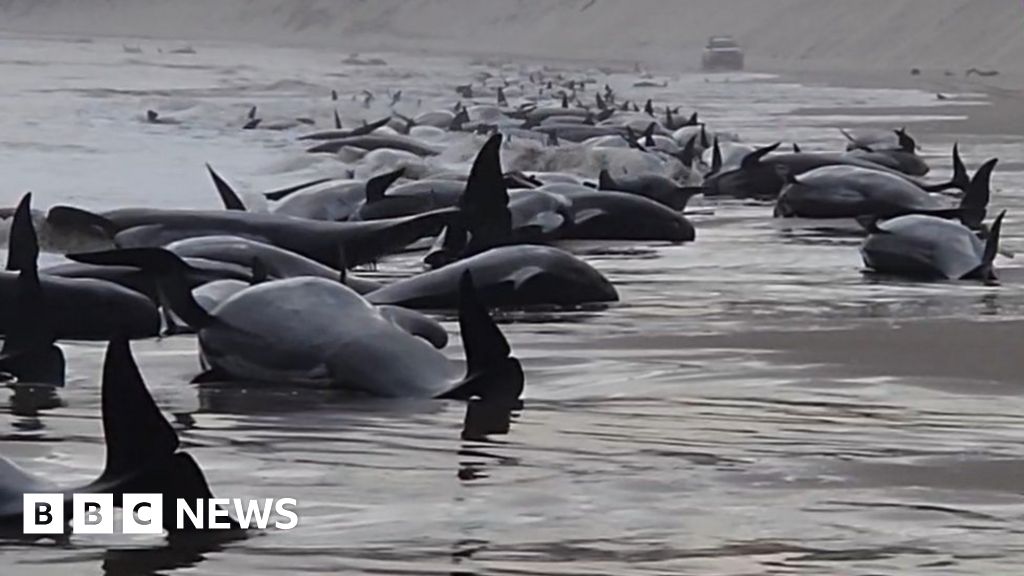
pixel 144 514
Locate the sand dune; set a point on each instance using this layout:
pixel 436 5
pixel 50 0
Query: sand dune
pixel 781 34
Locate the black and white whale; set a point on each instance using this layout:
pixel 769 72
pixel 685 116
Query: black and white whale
pixel 76 308
pixel 210 295
pixel 851 191
pixel 279 263
pixel 895 149
pixel 409 198
pixel 762 175
pixel 604 215
pixel 929 248
pixel 360 242
pixel 654 186
pixel 505 276
pixel 312 331
pixel 143 454
pixel 337 134
pixel 336 202
pixel 372 142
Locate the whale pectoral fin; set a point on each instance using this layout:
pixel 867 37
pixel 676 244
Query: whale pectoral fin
pixel 492 373
pixel 228 196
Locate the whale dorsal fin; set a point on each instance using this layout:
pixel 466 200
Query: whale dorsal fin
pixel 28 350
pixel 377 186
pixel 135 431
pixel 689 152
pixel 484 203
pixel 22 244
pixel 754 158
pixel 716 157
pixel 649 135
pixel 228 196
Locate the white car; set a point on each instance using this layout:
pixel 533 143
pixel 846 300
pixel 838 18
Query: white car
pixel 722 53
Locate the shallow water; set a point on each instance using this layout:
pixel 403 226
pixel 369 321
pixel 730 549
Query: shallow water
pixel 629 457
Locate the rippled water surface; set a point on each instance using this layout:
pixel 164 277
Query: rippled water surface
pixel 637 451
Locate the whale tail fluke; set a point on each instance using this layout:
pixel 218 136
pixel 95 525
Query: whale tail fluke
pixel 978 194
pixel 492 373
pixel 961 180
pixel 986 271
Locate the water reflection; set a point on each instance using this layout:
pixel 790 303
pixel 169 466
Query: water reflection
pixel 179 552
pixel 28 403
pixel 483 420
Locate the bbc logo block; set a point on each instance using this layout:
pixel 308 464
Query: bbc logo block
pixel 144 514
pixel 43 514
pixel 92 514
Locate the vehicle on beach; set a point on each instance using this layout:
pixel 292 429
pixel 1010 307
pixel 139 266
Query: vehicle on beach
pixel 722 53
